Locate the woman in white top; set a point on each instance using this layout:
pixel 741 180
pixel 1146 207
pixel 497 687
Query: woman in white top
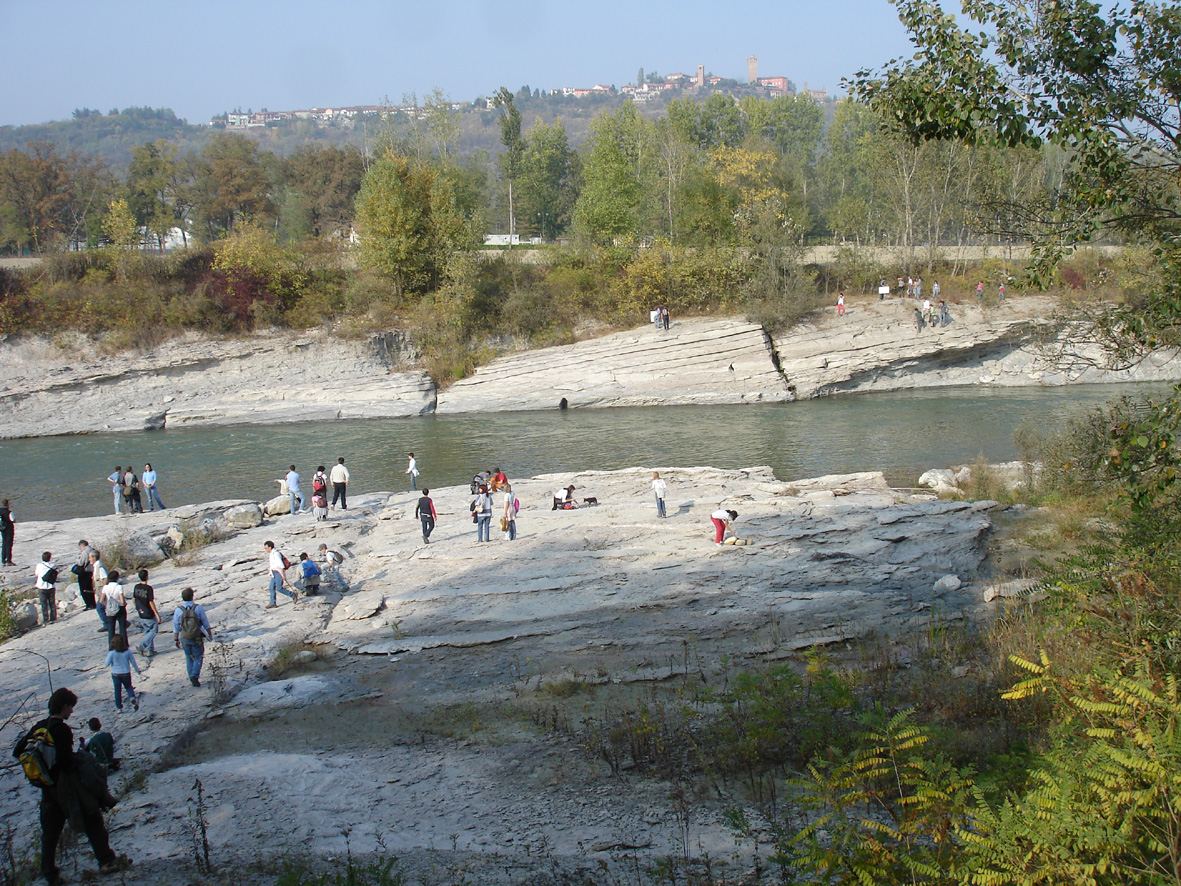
pixel 510 513
pixel 659 488
pixel 115 605
pixel 722 518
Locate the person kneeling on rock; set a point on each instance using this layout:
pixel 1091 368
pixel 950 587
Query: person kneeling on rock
pixel 311 575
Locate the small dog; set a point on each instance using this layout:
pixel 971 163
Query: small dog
pixel 590 501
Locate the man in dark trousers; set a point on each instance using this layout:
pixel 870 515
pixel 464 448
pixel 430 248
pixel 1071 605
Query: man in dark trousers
pixel 54 812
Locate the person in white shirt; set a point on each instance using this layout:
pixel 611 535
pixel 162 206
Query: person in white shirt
pixel 98 575
pixel 659 488
pixel 114 603
pixel 722 518
pixel 412 470
pixel 278 572
pixel 340 482
pixel 46 584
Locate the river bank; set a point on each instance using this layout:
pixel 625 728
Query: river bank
pixel 69 386
pixel 401 722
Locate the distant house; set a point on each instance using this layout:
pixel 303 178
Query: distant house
pixel 778 85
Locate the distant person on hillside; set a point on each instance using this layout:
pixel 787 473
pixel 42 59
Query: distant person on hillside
pixel 148 477
pixel 654 316
pixel 45 580
pixel 1000 292
pixel 425 512
pixel 840 304
pixel 980 291
pixel 944 314
pixel 190 629
pixel 664 317
pixel 340 484
pixel 935 291
pixel 7 534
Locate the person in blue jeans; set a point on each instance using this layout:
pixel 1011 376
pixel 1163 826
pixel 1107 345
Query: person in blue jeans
pixel 116 481
pixel 189 637
pixel 148 479
pixel 293 490
pixel 482 509
pixel 278 571
pixel 121 660
pixel 149 616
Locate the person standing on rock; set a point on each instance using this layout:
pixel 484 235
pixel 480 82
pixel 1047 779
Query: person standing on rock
pixel 277 566
pixel 131 497
pixel 935 291
pixel 190 628
pixel 121 660
pixel 7 534
pixel 56 800
pixel 340 484
pixel 840 304
pixel 659 488
pixel 85 575
pixel 664 317
pixel 412 470
pixel 425 512
pixel 98 572
pixel 144 596
pixel 148 477
pixel 511 506
pixel 46 584
pixel 114 602
pixel 116 481
pixel 722 518
pixel 293 490
pixel 482 510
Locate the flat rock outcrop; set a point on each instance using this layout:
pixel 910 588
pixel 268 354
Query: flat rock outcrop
pixel 45 389
pixel 702 362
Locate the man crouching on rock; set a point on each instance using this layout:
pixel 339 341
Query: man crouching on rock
pixel 73 795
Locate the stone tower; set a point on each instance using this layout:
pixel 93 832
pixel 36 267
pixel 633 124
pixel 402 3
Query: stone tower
pixel 752 70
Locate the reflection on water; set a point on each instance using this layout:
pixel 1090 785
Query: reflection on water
pixel 901 433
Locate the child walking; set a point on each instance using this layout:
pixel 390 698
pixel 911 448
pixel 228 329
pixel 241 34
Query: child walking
pixel 121 660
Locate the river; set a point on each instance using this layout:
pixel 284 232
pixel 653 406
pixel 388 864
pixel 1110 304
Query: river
pixel 901 433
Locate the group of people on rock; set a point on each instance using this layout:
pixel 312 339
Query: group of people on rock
pixel 659 316
pixel 486 485
pixel 129 490
pixel 338 477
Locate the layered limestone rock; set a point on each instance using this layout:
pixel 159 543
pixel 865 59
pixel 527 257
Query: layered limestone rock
pixel 696 362
pixel 45 389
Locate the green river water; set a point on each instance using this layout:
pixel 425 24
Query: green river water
pixel 901 433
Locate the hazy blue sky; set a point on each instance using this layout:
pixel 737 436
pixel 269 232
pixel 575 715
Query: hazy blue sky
pixel 211 56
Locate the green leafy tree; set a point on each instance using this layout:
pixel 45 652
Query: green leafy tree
pixel 547 174
pixel 609 205
pixel 514 148
pixel 323 183
pixel 155 184
pixel 230 184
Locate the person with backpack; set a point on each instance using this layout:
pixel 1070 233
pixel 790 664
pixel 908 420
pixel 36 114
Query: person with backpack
pixel 481 509
pixel 46 584
pixel 144 596
pixel 114 603
pixel 131 496
pixel 49 747
pixel 101 744
pixel 331 560
pixel 277 566
pixel 190 628
pixel 311 575
pixel 425 512
pixel 320 495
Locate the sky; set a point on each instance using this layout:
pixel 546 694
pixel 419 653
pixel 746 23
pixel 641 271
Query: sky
pixel 201 59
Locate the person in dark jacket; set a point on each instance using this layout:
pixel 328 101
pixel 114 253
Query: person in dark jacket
pixel 68 791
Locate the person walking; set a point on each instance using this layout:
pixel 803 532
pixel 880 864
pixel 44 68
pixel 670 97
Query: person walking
pixel 277 566
pixel 116 481
pixel 482 509
pixel 722 518
pixel 121 660
pixel 190 629
pixel 340 484
pixel 293 490
pixel 114 603
pixel 85 576
pixel 56 800
pixel 45 574
pixel 510 512
pixel 7 534
pixel 425 512
pixel 840 304
pixel 412 470
pixel 659 488
pixel 148 478
pixel 98 572
pixel 144 596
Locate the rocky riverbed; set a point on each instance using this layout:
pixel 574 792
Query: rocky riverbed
pixel 69 386
pixel 391 727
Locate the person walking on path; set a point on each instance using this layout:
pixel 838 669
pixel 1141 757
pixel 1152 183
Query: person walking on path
pixel 46 584
pixel 659 488
pixel 1000 292
pixel 82 569
pixel 148 478
pixel 56 800
pixel 722 518
pixel 98 572
pixel 293 490
pixel 277 566
pixel 144 596
pixel 340 484
pixel 114 603
pixel 190 629
pixel 840 304
pixel 510 512
pixel 425 512
pixel 412 470
pixel 7 534
pixel 121 660
pixel 482 509
pixel 116 481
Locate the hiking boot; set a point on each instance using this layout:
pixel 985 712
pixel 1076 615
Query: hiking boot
pixel 115 865
pixel 53 878
pixel 269 606
pixel 194 681
pixel 135 703
pixel 294 598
